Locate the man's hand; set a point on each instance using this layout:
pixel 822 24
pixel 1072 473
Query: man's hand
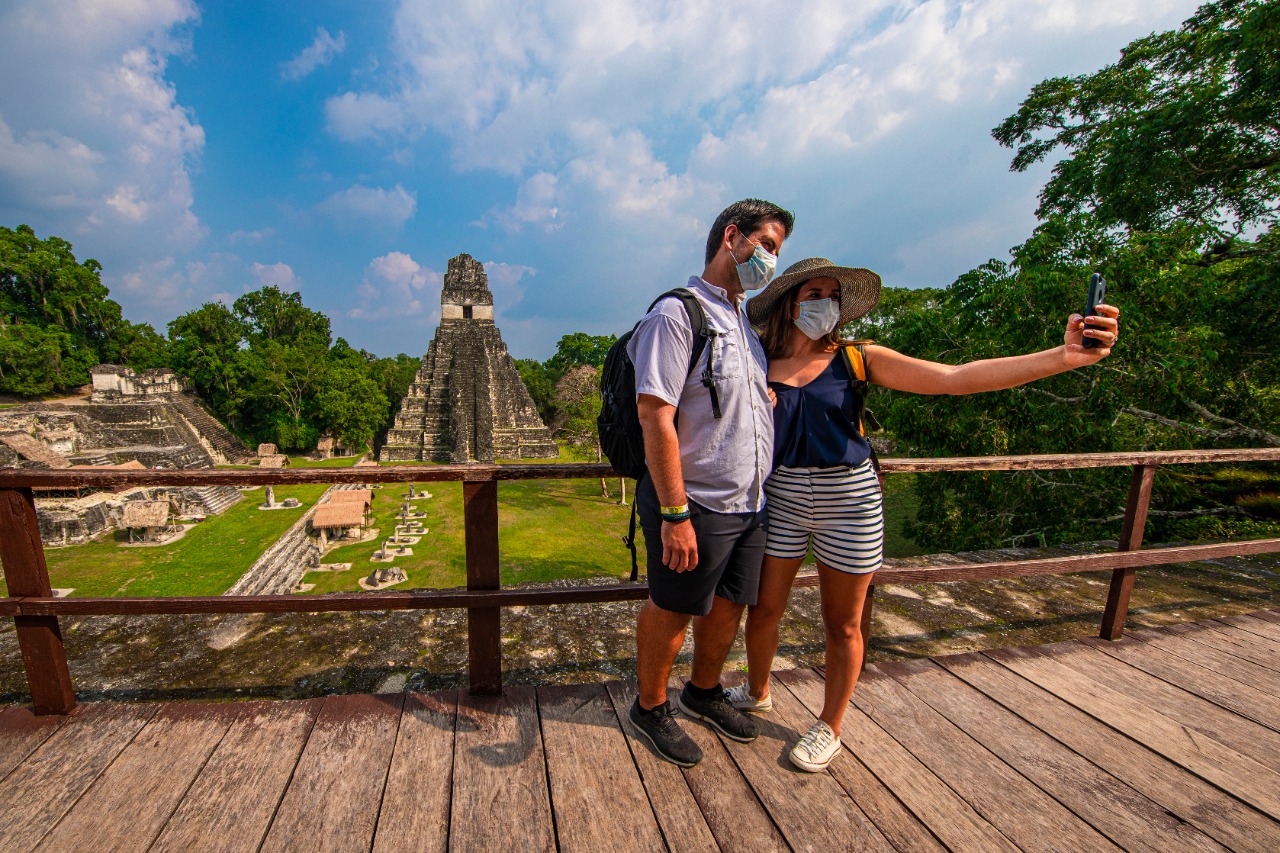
pixel 679 546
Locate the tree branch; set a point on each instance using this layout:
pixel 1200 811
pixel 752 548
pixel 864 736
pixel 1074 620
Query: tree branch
pixel 1234 432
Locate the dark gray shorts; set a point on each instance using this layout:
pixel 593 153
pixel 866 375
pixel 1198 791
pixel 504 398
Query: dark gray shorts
pixel 730 549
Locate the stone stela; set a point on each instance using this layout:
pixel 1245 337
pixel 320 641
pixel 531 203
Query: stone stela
pixel 467 402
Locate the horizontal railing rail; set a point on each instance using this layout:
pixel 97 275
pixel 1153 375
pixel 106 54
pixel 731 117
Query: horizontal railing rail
pixel 36 611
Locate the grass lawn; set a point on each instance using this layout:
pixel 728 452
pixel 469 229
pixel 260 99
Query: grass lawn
pixel 206 561
pixel 900 504
pixel 547 530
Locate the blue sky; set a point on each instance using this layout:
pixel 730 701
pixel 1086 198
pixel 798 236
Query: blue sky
pixel 580 150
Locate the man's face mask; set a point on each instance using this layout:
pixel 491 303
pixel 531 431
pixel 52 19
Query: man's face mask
pixel 756 271
pixel 818 318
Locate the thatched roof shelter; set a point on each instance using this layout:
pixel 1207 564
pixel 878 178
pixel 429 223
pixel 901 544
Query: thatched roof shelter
pixel 33 449
pixel 267 449
pixel 146 514
pixel 331 515
pixel 350 496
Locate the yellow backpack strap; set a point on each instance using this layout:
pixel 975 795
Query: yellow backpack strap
pixel 854 361
pixel 857 366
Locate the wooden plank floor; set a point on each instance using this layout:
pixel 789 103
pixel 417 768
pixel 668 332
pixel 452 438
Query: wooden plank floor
pixel 1166 740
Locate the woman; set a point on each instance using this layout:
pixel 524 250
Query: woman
pixel 823 490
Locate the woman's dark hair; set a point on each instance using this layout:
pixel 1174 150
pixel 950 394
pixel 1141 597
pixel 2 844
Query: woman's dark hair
pixel 777 326
pixel 748 214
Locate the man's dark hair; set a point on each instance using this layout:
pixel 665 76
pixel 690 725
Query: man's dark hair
pixel 748 214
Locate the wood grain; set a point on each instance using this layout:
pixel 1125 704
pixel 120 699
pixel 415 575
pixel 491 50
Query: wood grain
pixel 1021 811
pixel 500 796
pixel 230 804
pixel 679 818
pixel 129 803
pixel 597 797
pixel 415 806
pixel 1225 767
pixel 1128 818
pixel 1226 692
pixel 1216 813
pixel 332 800
pixel 21 732
pixel 36 794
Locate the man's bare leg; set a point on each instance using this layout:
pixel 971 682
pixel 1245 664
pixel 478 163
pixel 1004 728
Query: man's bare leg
pixel 713 637
pixel 659 636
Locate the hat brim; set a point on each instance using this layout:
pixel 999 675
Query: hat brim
pixel 859 289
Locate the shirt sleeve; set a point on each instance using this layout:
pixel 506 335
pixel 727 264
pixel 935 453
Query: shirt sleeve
pixel 660 350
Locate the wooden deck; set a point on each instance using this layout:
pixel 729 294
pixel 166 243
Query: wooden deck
pixel 1167 740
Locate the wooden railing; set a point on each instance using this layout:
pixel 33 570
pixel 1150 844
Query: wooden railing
pixel 35 611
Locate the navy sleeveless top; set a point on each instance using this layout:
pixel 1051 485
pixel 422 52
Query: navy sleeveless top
pixel 816 425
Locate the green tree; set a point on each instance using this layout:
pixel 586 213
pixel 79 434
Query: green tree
pixel 1181 130
pixel 44 287
pixel 537 379
pixel 205 345
pixel 579 348
pixel 1168 164
pixel 348 401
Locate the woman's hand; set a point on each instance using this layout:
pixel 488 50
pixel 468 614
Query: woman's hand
pixel 1106 333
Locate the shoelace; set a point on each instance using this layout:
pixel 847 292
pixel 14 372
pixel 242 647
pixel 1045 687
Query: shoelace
pixel 816 740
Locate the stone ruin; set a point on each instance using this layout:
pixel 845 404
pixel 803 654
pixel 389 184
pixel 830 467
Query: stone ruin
pixel 143 420
pixel 467 402
pixel 113 383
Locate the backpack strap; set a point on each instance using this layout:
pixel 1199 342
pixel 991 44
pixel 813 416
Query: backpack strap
pixel 855 360
pixel 702 334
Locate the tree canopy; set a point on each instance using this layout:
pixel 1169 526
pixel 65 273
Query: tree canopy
pixel 57 320
pixel 1168 185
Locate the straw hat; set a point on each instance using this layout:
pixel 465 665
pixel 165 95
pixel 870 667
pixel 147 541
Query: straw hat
pixel 859 289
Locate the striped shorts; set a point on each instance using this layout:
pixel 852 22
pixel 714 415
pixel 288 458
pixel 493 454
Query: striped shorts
pixel 841 510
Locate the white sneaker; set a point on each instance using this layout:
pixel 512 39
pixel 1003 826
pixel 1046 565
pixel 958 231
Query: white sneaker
pixel 816 749
pixel 740 697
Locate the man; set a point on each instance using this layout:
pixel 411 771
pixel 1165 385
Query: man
pixel 701 504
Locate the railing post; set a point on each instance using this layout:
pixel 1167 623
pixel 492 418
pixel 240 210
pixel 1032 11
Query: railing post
pixel 1135 523
pixel 484 624
pixel 25 572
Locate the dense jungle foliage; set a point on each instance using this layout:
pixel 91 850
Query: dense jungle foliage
pixel 1169 185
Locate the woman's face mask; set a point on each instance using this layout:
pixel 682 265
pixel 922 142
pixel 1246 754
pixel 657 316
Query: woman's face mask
pixel 818 318
pixel 756 271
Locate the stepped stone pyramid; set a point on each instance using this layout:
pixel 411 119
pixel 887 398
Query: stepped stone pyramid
pixel 467 403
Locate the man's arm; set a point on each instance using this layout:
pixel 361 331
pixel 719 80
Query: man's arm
pixel 662 453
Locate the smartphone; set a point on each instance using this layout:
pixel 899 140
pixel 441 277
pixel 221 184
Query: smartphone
pixel 1097 294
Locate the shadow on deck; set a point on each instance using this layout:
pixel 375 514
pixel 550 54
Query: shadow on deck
pixel 1168 739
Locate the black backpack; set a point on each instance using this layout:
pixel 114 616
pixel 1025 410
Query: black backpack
pixel 621 438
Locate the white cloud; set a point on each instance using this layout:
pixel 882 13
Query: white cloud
pixel 94 142
pixel 279 275
pixel 371 206
pixel 395 285
pixel 319 53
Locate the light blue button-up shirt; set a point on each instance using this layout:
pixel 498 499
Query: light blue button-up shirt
pixel 724 461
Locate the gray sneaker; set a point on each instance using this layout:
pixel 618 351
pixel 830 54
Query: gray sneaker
pixel 740 697
pixel 816 749
pixel 722 716
pixel 660 729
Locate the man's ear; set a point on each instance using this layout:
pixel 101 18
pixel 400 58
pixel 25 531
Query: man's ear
pixel 731 232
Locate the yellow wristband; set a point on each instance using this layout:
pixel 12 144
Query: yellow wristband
pixel 674 510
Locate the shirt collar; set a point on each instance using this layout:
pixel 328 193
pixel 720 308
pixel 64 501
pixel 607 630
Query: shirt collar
pixel 715 291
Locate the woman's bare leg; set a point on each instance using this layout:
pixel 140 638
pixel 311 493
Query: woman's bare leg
pixel 776 577
pixel 843 596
